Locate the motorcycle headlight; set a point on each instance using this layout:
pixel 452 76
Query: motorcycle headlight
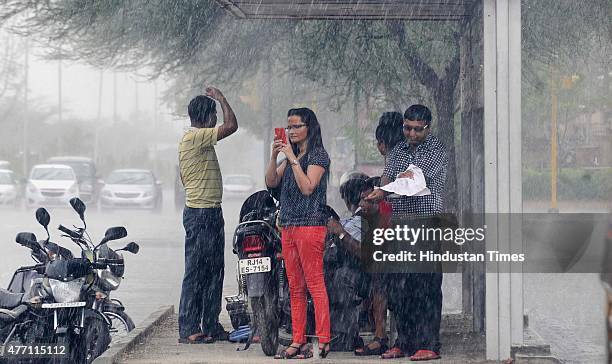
pixel 107 280
pixel 66 291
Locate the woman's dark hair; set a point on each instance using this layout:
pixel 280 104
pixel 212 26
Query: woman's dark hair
pixel 392 118
pixel 200 108
pixel 389 129
pixel 350 190
pixel 309 118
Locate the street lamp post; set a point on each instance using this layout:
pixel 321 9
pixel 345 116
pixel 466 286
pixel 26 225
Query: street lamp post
pixel 553 142
pixel 25 109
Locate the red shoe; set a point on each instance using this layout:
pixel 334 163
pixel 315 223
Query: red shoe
pixel 393 353
pixel 422 355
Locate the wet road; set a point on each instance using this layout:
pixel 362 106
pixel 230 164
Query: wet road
pixel 566 310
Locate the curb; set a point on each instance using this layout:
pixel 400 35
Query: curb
pixel 139 334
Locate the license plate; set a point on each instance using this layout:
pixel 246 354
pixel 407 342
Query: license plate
pixel 63 305
pixel 254 265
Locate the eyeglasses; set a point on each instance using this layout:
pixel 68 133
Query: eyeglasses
pixel 294 127
pixel 418 129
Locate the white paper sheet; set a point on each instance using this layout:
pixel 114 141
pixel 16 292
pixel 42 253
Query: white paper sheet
pixel 414 186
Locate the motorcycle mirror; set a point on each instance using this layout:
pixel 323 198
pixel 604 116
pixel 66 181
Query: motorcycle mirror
pixel 28 240
pixel 114 233
pixel 79 207
pixel 43 217
pixel 21 238
pixel 131 247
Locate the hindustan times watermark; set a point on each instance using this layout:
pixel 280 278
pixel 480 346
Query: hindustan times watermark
pixel 527 243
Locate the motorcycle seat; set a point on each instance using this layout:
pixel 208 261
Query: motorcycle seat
pixel 9 299
pixel 7 315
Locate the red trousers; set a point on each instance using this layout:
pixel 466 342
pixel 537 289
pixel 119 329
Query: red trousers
pixel 303 248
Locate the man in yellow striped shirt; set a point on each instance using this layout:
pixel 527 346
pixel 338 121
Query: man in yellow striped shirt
pixel 200 304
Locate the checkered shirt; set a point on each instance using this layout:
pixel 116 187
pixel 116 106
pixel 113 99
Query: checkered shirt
pixel 431 157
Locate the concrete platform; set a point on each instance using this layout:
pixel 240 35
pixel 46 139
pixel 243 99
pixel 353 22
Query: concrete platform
pixel 162 347
pixel 155 341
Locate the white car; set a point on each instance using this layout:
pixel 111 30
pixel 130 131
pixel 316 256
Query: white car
pixel 9 190
pixel 238 186
pixel 51 184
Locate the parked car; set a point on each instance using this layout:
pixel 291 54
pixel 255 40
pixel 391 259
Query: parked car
pixel 51 184
pixel 9 188
pixel 238 186
pixel 85 170
pixel 131 188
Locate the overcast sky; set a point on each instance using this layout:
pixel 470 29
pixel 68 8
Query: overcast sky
pixel 80 87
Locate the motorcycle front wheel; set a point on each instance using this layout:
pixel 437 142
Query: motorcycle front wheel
pixel 84 348
pixel 93 341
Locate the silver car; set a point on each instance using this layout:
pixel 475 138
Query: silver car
pixel 131 188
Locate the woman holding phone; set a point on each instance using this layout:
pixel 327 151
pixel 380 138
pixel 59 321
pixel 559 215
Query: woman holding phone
pixel 303 179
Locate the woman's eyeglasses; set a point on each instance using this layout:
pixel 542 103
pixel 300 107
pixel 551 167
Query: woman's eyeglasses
pixel 418 129
pixel 294 127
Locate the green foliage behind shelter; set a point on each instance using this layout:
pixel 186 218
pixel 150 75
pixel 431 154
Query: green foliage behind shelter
pixel 572 184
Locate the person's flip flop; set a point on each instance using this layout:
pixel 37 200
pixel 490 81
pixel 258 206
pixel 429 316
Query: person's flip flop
pixel 199 340
pixel 393 353
pixel 422 355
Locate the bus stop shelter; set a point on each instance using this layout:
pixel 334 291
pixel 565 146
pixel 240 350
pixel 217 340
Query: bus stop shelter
pixel 489 171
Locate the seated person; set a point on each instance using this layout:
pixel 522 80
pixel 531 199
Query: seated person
pixel 343 277
pixel 346 284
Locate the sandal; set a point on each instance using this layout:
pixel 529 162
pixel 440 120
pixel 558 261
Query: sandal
pixel 367 350
pixel 324 351
pixel 298 354
pixel 393 353
pixel 203 339
pixel 422 355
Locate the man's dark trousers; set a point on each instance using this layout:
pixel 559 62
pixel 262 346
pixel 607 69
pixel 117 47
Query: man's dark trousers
pixel 200 304
pixel 416 302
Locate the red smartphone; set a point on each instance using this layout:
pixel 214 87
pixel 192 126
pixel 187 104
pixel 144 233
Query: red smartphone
pixel 279 134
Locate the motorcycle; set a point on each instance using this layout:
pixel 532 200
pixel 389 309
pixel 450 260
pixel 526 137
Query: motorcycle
pixel 65 299
pixel 20 315
pixel 261 275
pixel 20 325
pixel 110 268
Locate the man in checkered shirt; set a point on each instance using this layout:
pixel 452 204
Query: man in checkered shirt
pixel 416 298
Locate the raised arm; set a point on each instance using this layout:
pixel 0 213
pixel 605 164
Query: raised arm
pixel 230 124
pixel 275 173
pixel 308 180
